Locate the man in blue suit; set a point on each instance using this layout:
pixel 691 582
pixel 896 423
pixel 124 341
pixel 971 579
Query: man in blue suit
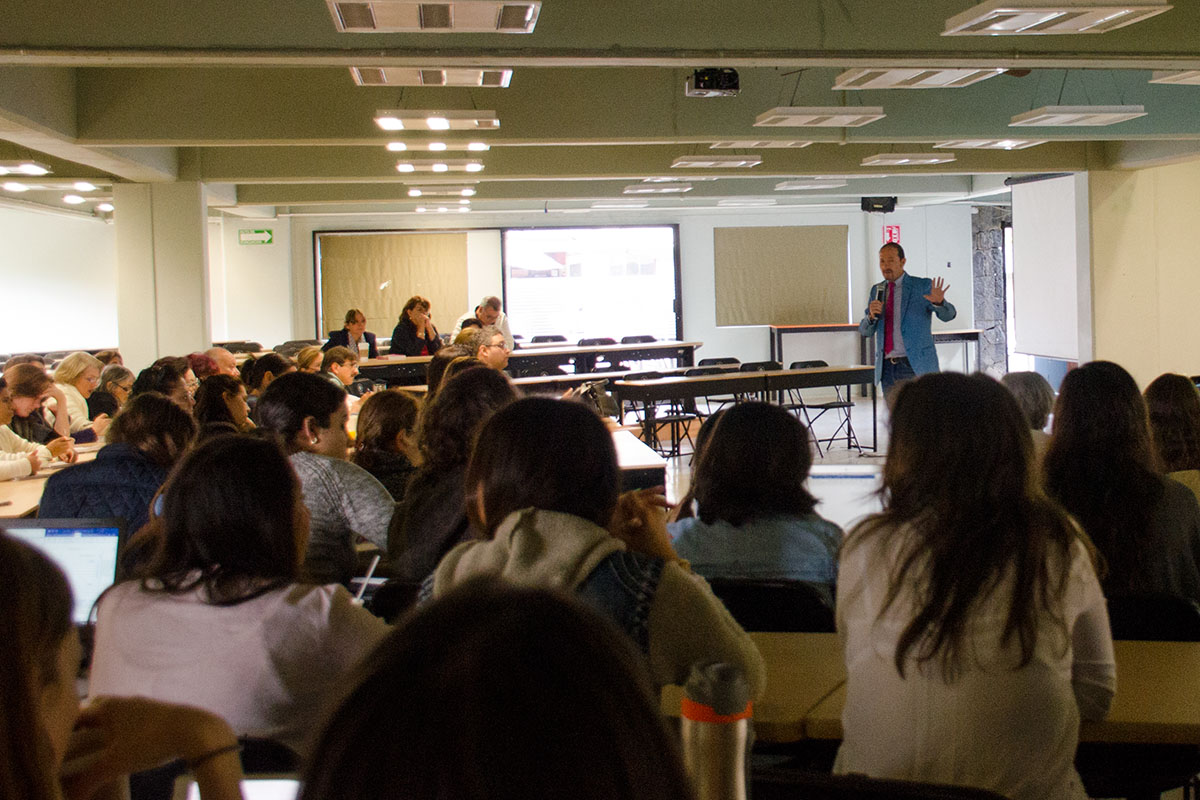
pixel 900 311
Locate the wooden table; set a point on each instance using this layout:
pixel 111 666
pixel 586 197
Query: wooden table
pixel 1157 700
pixel 641 467
pixel 25 494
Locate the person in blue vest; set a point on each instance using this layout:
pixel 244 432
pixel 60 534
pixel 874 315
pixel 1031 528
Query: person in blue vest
pixel 899 315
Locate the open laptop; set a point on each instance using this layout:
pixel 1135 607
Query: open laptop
pixel 85 549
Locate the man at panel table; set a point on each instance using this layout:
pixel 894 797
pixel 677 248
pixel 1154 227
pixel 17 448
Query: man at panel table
pixel 488 312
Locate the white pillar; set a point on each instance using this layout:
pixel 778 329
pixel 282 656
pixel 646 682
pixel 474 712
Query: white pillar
pixel 162 283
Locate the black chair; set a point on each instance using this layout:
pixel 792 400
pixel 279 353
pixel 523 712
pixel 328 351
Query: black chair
pixel 784 784
pixel 842 405
pixel 547 337
pixel 1137 771
pixel 243 347
pixel 712 403
pixel 637 339
pixel 757 366
pixel 716 362
pixel 775 606
pixel 600 342
pixel 291 348
pixel 673 416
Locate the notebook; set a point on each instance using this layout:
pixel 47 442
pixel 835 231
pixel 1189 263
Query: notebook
pixel 85 549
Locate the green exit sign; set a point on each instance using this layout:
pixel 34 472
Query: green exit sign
pixel 246 236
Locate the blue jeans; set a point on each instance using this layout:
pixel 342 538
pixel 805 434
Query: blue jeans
pixel 892 374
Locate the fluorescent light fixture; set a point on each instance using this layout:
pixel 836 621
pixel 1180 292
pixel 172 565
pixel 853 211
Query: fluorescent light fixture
pixel 23 167
pixel 415 193
pixel 757 144
pixel 13 186
pixel 419 76
pixel 787 186
pixel 911 78
pixel 621 204
pixel 463 209
pixel 441 191
pixel 1034 17
pixel 442 209
pixel 1077 116
pixel 715 162
pixel 819 116
pixel 84 186
pixel 1187 76
pixel 437 147
pixel 73 199
pixel 421 209
pixel 658 188
pixel 401 119
pixel 748 202
pixel 990 144
pixel 906 159
pixel 677 178
pixel 464 202
pixel 452 16
pixel 396 147
pixel 478 147
pixel 106 207
pixel 441 165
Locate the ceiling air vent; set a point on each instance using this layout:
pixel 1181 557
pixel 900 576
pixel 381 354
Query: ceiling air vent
pixel 368 76
pixel 818 117
pixel 888 78
pixel 411 76
pixel 1077 116
pixel 1034 17
pixel 1187 76
pixel 459 16
pixel 752 144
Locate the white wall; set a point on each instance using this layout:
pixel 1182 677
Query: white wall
pixel 256 280
pixel 59 279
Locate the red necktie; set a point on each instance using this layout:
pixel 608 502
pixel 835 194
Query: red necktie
pixel 888 305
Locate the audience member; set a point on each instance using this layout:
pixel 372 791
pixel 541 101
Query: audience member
pixel 488 312
pixel 201 365
pixel 687 504
pixel 437 366
pixel 466 337
pixel 184 367
pixel 116 382
pixel 259 372
pixel 414 334
pixel 110 358
pixel 344 502
pixel 25 358
pixel 217 617
pixel 340 366
pixel 974 629
pixel 1174 406
pixel 110 737
pixel 77 376
pixel 385 440
pixel 1035 398
pixel 31 387
pixel 432 518
pixel 755 519
pixel 226 362
pixel 221 402
pixel 144 442
pixel 18 457
pixel 497 692
pixel 551 517
pixel 165 379
pixel 1101 466
pixel 489 346
pixel 353 334
pixel 309 358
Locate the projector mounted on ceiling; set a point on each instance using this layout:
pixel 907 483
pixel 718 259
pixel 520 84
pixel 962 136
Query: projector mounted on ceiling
pixel 712 82
pixel 881 205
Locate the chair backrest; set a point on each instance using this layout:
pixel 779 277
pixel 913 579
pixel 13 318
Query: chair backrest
pixel 1154 617
pixel 775 606
pixel 547 337
pixel 641 376
pixel 808 364
pixel 693 372
pixel 712 362
pixel 792 784
pixel 637 339
pixel 596 342
pixel 293 347
pixel 759 366
pixel 243 347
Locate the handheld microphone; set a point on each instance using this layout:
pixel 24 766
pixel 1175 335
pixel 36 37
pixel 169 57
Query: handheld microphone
pixel 879 295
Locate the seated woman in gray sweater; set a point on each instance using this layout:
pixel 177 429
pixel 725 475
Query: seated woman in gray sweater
pixel 754 518
pixel 309 415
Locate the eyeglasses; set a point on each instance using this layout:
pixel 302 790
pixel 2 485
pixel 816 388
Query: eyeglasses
pixel 502 345
pixel 124 387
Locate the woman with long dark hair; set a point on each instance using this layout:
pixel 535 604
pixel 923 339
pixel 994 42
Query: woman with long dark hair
pixel 385 441
pixel 1174 405
pixel 414 334
pixel 1102 467
pixel 974 629
pixel 217 616
pixel 221 404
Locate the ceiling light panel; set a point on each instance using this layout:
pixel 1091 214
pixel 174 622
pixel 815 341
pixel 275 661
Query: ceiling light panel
pixel 412 76
pixel 1077 116
pixel 748 202
pixel 818 117
pixel 906 159
pixel 886 78
pixel 25 167
pixel 1188 76
pixel 789 186
pixel 678 178
pixel 658 188
pixel 402 119
pixel 437 147
pixel 441 165
pixel 621 204
pixel 441 191
pixel 460 16
pixel 756 144
pixel 1038 17
pixel 715 162
pixel 990 144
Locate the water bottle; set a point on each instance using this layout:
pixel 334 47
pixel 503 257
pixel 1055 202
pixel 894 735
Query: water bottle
pixel 716 731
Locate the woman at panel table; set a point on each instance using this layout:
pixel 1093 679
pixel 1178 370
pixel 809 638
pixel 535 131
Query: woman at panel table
pixel 551 516
pixel 77 376
pixel 353 334
pixel 1102 467
pixel 344 501
pixel 107 739
pixel 218 618
pixel 414 334
pixel 973 626
pixel 1174 405
pixel 754 517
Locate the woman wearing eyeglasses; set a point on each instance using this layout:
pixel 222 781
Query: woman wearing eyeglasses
pixel 116 382
pixel 77 376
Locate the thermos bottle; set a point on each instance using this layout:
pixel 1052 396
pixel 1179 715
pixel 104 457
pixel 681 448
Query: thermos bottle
pixel 716 731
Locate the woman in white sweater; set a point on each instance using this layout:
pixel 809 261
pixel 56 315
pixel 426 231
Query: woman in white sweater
pixel 975 633
pixel 77 376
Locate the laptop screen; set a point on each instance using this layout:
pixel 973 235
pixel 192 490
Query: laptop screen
pixel 85 549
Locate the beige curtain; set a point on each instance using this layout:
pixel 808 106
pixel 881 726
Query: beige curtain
pixel 796 275
pixel 378 272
